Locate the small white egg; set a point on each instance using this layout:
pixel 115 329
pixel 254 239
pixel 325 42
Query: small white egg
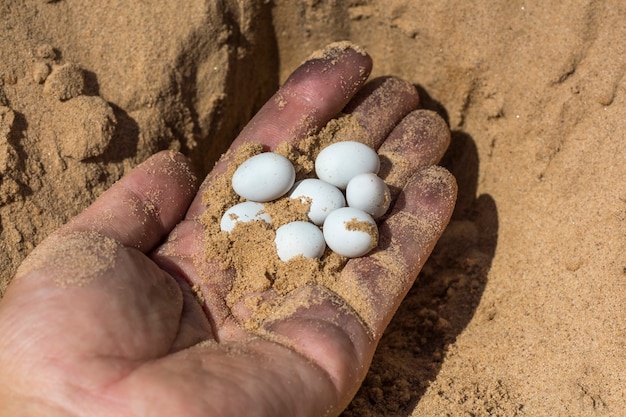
pixel 264 177
pixel 299 238
pixel 339 162
pixel 243 212
pixel 369 193
pixel 344 232
pixel 324 198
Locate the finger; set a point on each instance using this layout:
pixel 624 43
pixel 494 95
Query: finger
pixel 144 206
pixel 378 107
pixel 313 94
pixel 419 140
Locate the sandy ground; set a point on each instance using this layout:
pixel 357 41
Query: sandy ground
pixel 520 310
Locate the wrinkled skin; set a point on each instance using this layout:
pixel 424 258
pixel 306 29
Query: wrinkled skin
pixel 124 336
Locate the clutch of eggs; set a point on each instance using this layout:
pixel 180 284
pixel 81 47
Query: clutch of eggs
pixel 347 220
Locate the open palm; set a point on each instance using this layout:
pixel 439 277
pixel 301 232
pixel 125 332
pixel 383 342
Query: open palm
pixel 101 319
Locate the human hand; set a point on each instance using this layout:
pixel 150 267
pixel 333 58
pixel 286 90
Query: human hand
pixel 101 319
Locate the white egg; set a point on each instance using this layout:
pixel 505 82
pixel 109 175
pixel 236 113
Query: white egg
pixel 243 212
pixel 369 193
pixel 299 238
pixel 344 234
pixel 339 162
pixel 324 198
pixel 264 177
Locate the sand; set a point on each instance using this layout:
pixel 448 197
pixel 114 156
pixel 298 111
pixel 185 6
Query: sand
pixel 519 311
